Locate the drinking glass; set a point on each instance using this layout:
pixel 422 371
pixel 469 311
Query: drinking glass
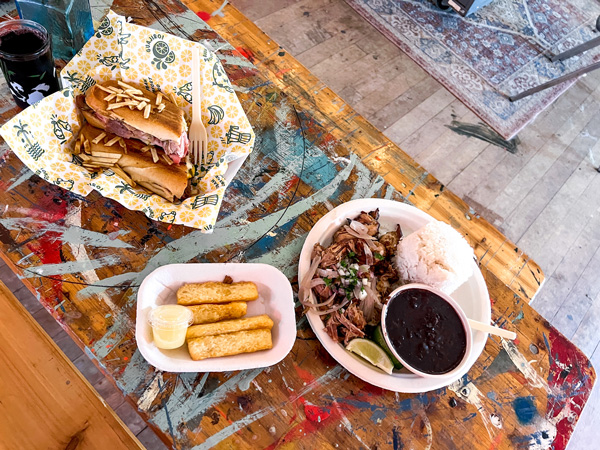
pixel 26 61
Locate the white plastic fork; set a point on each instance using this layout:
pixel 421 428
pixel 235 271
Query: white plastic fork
pixel 197 134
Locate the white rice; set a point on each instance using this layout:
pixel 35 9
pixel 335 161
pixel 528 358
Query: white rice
pixel 436 255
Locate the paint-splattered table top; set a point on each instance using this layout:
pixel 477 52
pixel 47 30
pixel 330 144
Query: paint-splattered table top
pixel 85 258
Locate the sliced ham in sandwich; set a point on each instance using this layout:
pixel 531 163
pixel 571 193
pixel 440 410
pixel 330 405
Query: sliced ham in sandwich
pixel 142 118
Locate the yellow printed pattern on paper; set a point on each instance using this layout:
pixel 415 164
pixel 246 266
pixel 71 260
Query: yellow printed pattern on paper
pixel 44 134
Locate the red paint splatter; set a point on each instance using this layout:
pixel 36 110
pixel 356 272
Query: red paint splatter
pixel 307 426
pixel 50 209
pixel 47 249
pixel 315 413
pixel 571 375
pixel 246 53
pixel 282 72
pixel 204 15
pixel 519 377
pixel 305 375
pixel 496 441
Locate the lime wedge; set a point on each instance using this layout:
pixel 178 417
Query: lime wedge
pixel 372 352
pixel 380 340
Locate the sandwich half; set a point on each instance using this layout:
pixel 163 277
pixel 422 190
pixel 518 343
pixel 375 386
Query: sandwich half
pixel 133 112
pixel 100 149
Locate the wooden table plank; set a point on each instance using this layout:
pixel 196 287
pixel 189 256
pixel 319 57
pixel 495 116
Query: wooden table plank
pixel 44 401
pixel 286 185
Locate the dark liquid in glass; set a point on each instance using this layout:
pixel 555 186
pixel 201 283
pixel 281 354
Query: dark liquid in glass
pixel 29 78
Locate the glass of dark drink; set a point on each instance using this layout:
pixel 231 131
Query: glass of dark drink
pixel 26 61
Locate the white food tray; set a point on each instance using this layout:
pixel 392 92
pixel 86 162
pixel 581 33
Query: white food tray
pixel 275 298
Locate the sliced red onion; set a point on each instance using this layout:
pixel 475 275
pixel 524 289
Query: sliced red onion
pixel 368 304
pixel 304 289
pixel 325 303
pixel 335 308
pixel 358 235
pixel 359 227
pixel 368 255
pixel 316 282
pixel 329 273
pixel 372 245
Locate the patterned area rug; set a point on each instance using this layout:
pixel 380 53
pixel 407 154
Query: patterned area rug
pixel 497 52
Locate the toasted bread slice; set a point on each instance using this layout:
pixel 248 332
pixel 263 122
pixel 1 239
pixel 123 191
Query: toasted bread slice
pixel 167 125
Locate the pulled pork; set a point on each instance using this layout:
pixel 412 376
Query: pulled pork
pixel 347 325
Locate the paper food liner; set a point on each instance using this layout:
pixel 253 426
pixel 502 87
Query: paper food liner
pixel 44 134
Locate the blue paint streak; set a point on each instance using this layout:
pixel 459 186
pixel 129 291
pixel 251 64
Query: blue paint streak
pixel 409 404
pixel 550 358
pixel 525 409
pixel 492 397
pixel 319 170
pixel 378 415
pixel 253 88
pixel 161 388
pixel 469 417
pixel 397 439
pixel 539 437
pixel 519 317
pixel 269 243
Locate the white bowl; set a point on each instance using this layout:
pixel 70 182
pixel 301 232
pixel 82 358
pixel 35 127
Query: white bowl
pixel 461 314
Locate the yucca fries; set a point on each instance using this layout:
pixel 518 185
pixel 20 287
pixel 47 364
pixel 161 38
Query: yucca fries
pixel 230 326
pixel 216 292
pixel 213 313
pixel 230 344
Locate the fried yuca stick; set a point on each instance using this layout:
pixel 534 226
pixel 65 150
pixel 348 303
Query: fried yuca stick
pixel 216 292
pixel 213 313
pixel 230 344
pixel 230 326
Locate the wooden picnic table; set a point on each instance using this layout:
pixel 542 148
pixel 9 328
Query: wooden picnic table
pixel 85 258
pixel 45 401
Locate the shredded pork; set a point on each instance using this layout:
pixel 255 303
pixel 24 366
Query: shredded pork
pixel 355 268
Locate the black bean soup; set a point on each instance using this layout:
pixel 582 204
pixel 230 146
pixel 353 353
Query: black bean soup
pixel 425 331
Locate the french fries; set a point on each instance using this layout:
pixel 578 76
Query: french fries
pixel 213 313
pixel 230 344
pixel 230 326
pixel 216 292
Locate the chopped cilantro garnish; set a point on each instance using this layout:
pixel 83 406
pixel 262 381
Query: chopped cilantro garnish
pixel 378 256
pixel 327 281
pixel 344 264
pixel 351 254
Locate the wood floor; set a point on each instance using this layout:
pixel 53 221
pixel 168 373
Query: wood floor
pixel 542 195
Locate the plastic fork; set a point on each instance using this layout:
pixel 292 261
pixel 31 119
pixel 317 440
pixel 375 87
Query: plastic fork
pixel 197 134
